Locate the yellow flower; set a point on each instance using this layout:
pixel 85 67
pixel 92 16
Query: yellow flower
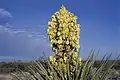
pixel 52 59
pixel 77 46
pixel 80 61
pixel 60 28
pixel 73 38
pixel 54 19
pixel 65 58
pixel 72 24
pixel 58 33
pixel 49 23
pixel 60 54
pixel 74 62
pixel 67 42
pixel 53 41
pixel 61 60
pixel 60 41
pixel 75 55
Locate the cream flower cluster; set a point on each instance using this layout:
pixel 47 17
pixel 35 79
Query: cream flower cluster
pixel 63 33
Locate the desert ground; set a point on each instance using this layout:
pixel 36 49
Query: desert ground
pixel 5 77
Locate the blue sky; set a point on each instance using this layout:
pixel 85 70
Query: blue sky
pixel 23 26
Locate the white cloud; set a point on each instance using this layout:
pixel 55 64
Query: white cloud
pixel 17 42
pixel 4 16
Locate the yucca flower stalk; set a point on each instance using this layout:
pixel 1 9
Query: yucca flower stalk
pixel 63 33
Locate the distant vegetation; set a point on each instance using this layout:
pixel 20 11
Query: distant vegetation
pixel 9 67
pixel 14 66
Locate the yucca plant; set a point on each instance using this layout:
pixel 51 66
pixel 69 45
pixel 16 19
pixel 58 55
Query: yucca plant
pixel 66 64
pixel 84 72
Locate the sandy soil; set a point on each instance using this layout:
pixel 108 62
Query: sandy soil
pixel 5 77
